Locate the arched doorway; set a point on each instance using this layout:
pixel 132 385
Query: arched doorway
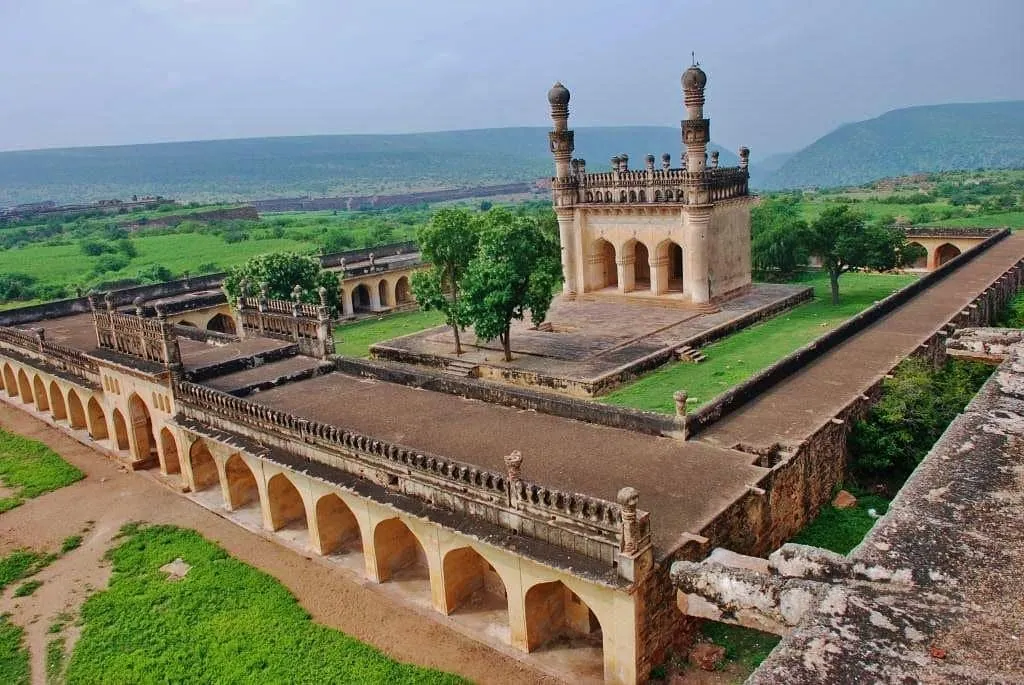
pixel 242 488
pixel 361 298
pixel 76 412
pixel 97 420
pixel 641 267
pixel 142 429
pixel 471 585
pixel 169 446
pixel 221 323
pixel 337 527
pixel 945 252
pixel 606 273
pixel 57 406
pixel 399 553
pixel 921 260
pixel 186 322
pixel 382 294
pixel 403 295
pixel 556 618
pixel 24 387
pixel 10 382
pixel 39 389
pixel 204 468
pixel 120 430
pixel 285 504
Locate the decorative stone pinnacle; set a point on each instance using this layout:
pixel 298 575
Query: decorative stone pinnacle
pixel 680 397
pixel 108 299
pixel 161 311
pixel 514 465
pixel 297 293
pixel 628 498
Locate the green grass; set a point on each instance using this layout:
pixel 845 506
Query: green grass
pixel 71 542
pixel 354 339
pixel 737 357
pixel 223 622
pixel 744 646
pixel 55 659
pixel 30 468
pixel 27 588
pixel 1014 220
pixel 840 530
pixel 13 654
pixel 22 563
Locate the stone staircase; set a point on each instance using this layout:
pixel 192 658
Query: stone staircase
pixel 690 354
pixel 460 368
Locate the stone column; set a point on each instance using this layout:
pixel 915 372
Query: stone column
pixel 627 280
pixel 170 351
pixel 514 470
pixel 566 239
pixel 659 272
pixel 374 298
pixel 696 226
pixel 346 302
pixel 680 397
pixel 324 332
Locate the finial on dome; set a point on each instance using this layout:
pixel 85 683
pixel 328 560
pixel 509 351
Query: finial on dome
pixel 694 78
pixel 558 95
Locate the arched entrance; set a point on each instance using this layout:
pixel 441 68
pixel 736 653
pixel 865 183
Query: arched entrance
pixel 204 468
pixel 361 298
pixel 10 382
pixel 285 503
pixel 382 293
pixel 606 273
pixel 169 446
pixel 186 322
pixel 675 267
pixel 641 267
pixel 945 252
pixel 76 412
pixel 39 389
pixel 471 585
pixel 142 429
pixel 120 430
pixel 403 295
pixel 24 387
pixel 97 420
pixel 556 618
pixel 57 406
pixel 921 260
pixel 221 323
pixel 337 527
pixel 242 488
pixel 399 553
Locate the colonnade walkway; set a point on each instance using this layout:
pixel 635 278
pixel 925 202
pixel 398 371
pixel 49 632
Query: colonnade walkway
pixel 794 408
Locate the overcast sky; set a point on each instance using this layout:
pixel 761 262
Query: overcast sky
pixel 781 72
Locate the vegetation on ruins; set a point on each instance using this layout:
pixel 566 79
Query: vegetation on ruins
pixel 739 356
pixel 916 405
pixel 224 621
pixel 14 657
pixel 1013 316
pixel 278 274
pixel 30 468
pixel 448 243
pixel 354 339
pixel 515 270
pixel 840 530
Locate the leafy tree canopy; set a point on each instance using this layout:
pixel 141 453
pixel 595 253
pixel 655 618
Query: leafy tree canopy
pixel 778 235
pixel 281 272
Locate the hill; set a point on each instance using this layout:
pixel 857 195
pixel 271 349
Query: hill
pixel 320 166
pixel 906 141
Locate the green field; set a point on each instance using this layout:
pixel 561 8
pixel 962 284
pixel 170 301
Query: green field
pixel 14 668
pixel 354 339
pixel 739 356
pixel 30 468
pixel 223 622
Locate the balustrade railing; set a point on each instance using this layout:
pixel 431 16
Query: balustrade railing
pixel 67 359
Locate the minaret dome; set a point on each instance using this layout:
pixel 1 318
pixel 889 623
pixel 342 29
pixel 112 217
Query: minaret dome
pixel 558 95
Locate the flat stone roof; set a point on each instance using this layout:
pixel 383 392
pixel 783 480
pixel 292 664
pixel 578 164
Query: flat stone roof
pixel 682 484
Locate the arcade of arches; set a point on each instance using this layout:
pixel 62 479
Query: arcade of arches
pixel 633 268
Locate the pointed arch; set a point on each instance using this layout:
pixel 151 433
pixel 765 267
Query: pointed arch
pixel 337 526
pixel 556 613
pixel 641 266
pixel 945 252
pixel 169 446
pixel 142 430
pixel 39 390
pixel 605 272
pixel 120 430
pixel 403 294
pixel 285 504
pixel 221 323
pixel 204 468
pixel 382 293
pixel 10 381
pixel 669 261
pixel 76 412
pixel 242 488
pixel 361 298
pixel 632 196
pixel 96 419
pixel 57 405
pixel 921 261
pixel 24 387
pixel 471 584
pixel 398 552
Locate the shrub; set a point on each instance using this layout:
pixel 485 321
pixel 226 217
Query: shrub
pixel 109 262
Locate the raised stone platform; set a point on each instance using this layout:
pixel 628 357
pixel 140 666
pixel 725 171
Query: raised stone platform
pixel 587 347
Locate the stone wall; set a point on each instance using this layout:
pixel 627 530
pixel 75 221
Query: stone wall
pixel 729 253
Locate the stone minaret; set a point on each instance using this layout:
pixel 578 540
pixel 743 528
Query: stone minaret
pixel 564 184
pixel 697 217
pixel 696 129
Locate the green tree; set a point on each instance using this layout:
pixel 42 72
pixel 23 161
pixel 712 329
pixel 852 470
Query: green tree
pixel 448 242
pixel 516 269
pixel 334 240
pixel 281 272
pixel 778 235
pixel 845 241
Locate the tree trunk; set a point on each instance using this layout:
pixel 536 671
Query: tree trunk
pixel 833 277
pixel 505 339
pixel 455 326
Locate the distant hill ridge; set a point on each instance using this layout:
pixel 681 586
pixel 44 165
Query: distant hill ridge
pixel 253 168
pixel 906 141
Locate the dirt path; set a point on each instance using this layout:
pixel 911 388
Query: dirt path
pixel 111 497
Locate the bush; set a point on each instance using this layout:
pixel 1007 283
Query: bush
pixel 94 248
pixel 109 262
pixel 126 247
pixel 15 286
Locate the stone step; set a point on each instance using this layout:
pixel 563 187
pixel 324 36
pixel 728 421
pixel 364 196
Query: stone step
pixel 460 368
pixel 690 354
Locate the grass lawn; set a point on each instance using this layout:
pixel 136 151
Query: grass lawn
pixel 354 339
pixel 30 469
pixel 741 355
pixel 840 530
pixel 223 622
pixel 1014 220
pixel 13 654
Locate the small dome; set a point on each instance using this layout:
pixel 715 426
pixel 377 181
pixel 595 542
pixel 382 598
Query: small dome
pixel 558 95
pixel 694 77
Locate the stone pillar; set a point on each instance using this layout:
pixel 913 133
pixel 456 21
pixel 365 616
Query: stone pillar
pixel 636 555
pixel 324 333
pixel 40 338
pixel 514 470
pixel 627 280
pixel 170 349
pixel 346 302
pixel 138 305
pixel 696 226
pixel 680 397
pixel 566 239
pixel 374 298
pixel 659 272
